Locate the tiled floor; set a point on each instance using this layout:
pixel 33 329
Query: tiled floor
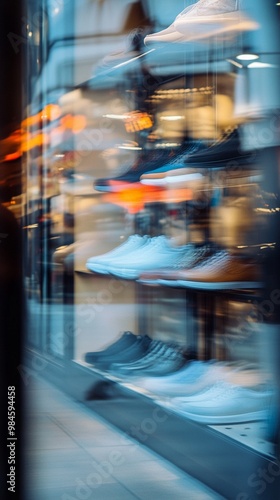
pixel 73 454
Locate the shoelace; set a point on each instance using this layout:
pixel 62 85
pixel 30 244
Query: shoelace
pixel 216 258
pixel 202 395
pixel 135 238
pixel 222 391
pixel 175 355
pixel 216 6
pixel 229 391
pixel 155 349
pixel 145 359
pixel 157 246
pixel 131 243
pixel 192 255
pixel 171 353
pixel 154 242
pixel 150 354
pixel 193 372
pixel 184 261
pixel 157 241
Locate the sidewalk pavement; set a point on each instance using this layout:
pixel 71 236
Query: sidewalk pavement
pixel 71 453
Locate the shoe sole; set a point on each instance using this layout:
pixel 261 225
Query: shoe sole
pixel 105 269
pixel 228 419
pixel 172 283
pixel 160 282
pixel 97 270
pixel 134 275
pixel 174 37
pixel 252 416
pixel 224 285
pixel 149 282
pixel 233 26
pixel 181 37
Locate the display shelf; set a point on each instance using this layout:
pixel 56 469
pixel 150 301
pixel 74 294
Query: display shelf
pixel 88 273
pixel 249 433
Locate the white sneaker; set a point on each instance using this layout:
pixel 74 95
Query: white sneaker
pixel 212 377
pixel 156 254
pixel 210 18
pixel 201 379
pixel 100 263
pixel 226 403
pixel 169 34
pixel 174 385
pixel 203 20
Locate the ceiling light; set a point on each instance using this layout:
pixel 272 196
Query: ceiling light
pixel 116 117
pixel 130 148
pixel 172 118
pixel 259 64
pixel 129 61
pixel 235 63
pixel 247 57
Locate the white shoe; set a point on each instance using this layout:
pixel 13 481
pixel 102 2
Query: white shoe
pixel 205 19
pixel 156 254
pixel 210 379
pixel 170 34
pixel 100 263
pixel 196 377
pixel 175 384
pixel 225 403
pixel 211 18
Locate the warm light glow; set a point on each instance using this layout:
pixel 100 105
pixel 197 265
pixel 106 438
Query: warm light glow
pixel 49 112
pixel 116 117
pixel 130 148
pixel 52 111
pixel 134 197
pixel 164 145
pixel 13 156
pixel 172 118
pixel 30 141
pixel 76 123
